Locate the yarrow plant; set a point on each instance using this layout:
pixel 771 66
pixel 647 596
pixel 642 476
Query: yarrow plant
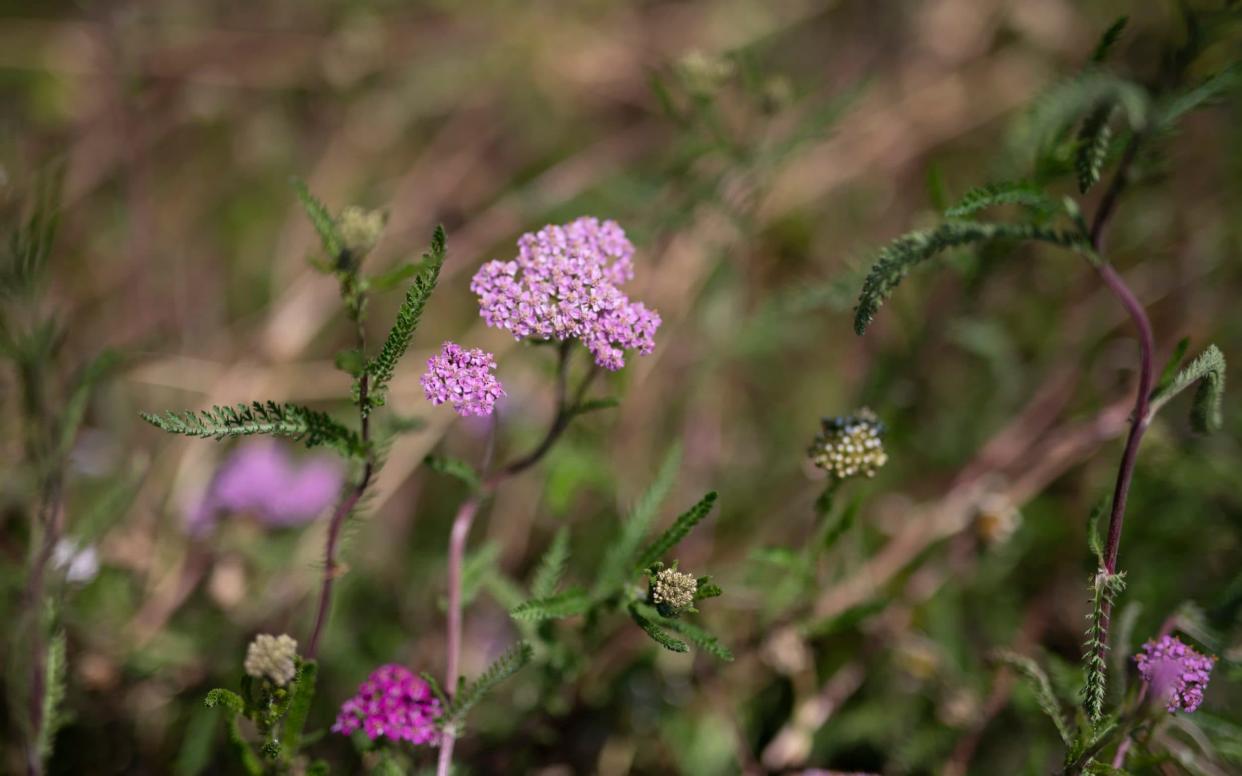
pixel 463 378
pixel 392 703
pixel 273 658
pixel 1071 131
pixel 1174 672
pixel 564 284
pixel 850 445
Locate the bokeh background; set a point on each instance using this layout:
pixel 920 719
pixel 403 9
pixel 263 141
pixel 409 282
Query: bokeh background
pixel 756 152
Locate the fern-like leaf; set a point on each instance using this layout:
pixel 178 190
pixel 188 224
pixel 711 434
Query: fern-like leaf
pixel 1066 103
pixel 896 259
pixel 1002 193
pixel 1105 588
pixel 300 704
pixel 321 219
pixel 1208 369
pixel 676 532
pixel 53 717
pixel 1039 684
pixel 656 633
pixel 1094 543
pixel 1207 91
pixel 1094 137
pixel 504 666
pixel 700 637
pixel 618 559
pixel 551 566
pixel 292 421
pixel 455 468
pixel 382 367
pixel 567 604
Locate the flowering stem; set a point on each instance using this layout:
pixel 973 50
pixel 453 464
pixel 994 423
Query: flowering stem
pixel 331 569
pixel 464 519
pixel 1139 419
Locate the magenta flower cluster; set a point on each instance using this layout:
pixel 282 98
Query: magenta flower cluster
pixel 392 702
pixel 463 378
pixel 1175 672
pixel 564 285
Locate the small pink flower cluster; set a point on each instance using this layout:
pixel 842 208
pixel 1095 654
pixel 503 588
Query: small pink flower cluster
pixel 464 378
pixel 392 702
pixel 564 285
pixel 1175 672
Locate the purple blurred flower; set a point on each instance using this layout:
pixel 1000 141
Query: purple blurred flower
pixel 392 702
pixel 260 478
pixel 564 285
pixel 1175 672
pixel 464 378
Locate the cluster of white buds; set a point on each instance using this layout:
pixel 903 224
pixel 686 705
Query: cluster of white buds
pixel 360 230
pixel 272 657
pixel 996 518
pixel 673 592
pixel 850 445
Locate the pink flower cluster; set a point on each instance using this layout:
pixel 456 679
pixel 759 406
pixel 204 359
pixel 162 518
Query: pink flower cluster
pixel 392 702
pixel 464 378
pixel 1175 672
pixel 564 285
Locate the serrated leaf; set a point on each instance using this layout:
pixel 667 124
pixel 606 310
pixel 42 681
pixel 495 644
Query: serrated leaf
pixel 551 566
pixel 504 666
pixel 1037 680
pixel 1208 369
pixel 1094 542
pixel 1093 140
pixel 700 637
pixel 992 195
pixel 567 604
pixel 291 421
pixel 53 716
pixel 895 260
pixel 616 566
pixel 321 219
pixel 454 467
pixel 226 699
pixel 655 632
pixel 300 703
pixel 384 365
pixel 676 532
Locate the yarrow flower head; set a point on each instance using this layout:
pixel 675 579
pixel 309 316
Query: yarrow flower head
pixel 850 445
pixel 1175 672
pixel 564 285
pixel 463 378
pixel 273 658
pixel 392 702
pixel 673 592
pixel 360 229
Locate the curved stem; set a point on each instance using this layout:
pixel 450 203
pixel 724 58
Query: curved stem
pixel 462 522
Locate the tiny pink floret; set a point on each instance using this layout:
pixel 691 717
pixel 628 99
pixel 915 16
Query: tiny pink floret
pixel 464 379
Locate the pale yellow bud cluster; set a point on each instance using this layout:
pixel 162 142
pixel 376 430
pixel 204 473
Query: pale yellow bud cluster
pixel 272 657
pixel 673 589
pixel 360 229
pixel 849 446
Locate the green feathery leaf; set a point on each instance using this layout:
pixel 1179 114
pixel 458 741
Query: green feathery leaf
pixel 1105 588
pixel 676 532
pixel 551 566
pixel 234 707
pixel 1067 102
pixel 707 589
pixel 300 704
pixel 505 666
pixel 1094 137
pixel 383 366
pixel 1002 193
pixel 53 717
pixel 656 633
pixel 1037 680
pixel 617 564
pixel 321 219
pixel 454 467
pixel 1094 542
pixel 895 260
pixel 30 243
pixel 285 420
pixel 1171 367
pixel 567 604
pixel 693 633
pixel 1208 369
pixel 594 405
pixel 1203 93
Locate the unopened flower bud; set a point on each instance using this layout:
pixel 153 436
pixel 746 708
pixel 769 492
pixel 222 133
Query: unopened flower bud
pixel 360 230
pixel 672 591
